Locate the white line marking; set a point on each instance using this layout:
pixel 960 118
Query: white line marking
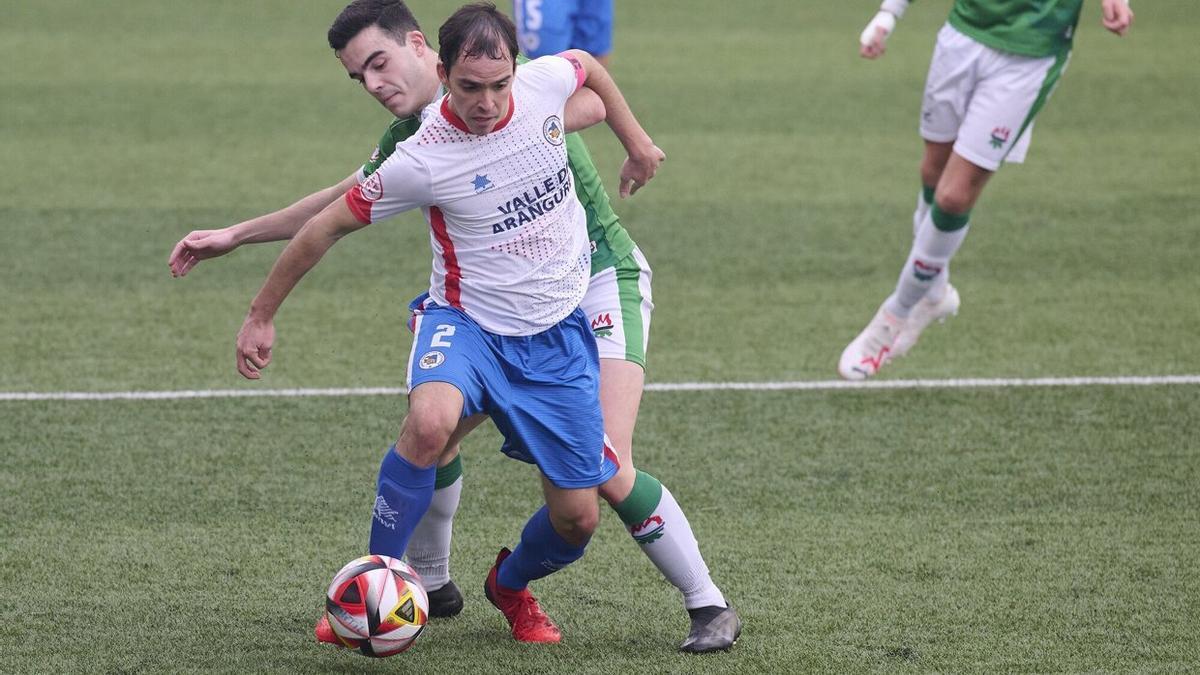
pixel 810 385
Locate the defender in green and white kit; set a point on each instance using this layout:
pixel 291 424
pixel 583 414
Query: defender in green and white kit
pixel 383 48
pixel 995 65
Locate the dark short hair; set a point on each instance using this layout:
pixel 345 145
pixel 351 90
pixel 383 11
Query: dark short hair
pixel 477 29
pixel 392 16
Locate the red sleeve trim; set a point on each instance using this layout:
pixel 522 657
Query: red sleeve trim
pixel 359 206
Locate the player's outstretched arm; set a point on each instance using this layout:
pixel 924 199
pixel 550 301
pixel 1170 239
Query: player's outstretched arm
pixel 257 335
pixel 584 109
pixel 644 156
pixel 872 43
pixel 282 224
pixel 1116 16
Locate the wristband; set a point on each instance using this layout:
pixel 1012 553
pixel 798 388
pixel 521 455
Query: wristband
pixel 883 19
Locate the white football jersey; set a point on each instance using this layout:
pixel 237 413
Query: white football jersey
pixel 509 236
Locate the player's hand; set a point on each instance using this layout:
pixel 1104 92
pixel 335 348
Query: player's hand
pixel 254 342
pixel 873 41
pixel 199 245
pixel 875 46
pixel 1117 16
pixel 637 171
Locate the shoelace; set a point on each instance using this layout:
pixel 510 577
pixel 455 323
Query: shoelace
pixel 530 608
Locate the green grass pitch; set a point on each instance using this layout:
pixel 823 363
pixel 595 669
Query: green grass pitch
pixel 948 530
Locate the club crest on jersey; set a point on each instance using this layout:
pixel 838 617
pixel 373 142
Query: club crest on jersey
pixel 1000 136
pixel 481 183
pixel 372 187
pixel 431 360
pixel 552 129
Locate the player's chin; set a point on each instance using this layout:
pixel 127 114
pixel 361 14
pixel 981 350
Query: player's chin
pixel 398 106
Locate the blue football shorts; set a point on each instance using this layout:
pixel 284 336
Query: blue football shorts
pixel 551 26
pixel 542 391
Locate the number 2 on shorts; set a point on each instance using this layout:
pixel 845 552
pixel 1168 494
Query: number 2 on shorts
pixel 444 331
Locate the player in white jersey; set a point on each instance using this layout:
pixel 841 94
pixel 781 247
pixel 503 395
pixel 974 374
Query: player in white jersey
pixel 995 65
pixel 380 44
pixel 508 248
pixel 534 374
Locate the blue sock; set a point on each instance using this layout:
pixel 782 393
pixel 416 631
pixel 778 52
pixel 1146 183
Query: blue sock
pixel 400 500
pixel 542 552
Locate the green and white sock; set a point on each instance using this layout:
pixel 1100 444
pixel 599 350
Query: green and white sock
pixel 928 262
pixel 655 521
pixel 429 547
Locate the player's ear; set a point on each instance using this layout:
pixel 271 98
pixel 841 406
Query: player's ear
pixel 443 75
pixel 418 41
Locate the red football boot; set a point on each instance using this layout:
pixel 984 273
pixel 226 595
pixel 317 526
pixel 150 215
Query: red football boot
pixel 529 623
pixel 324 632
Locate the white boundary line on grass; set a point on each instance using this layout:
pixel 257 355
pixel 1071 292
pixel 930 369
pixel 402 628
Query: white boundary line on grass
pixel 809 385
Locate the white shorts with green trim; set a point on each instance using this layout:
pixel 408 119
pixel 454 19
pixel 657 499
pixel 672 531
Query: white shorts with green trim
pixel 984 99
pixel 618 304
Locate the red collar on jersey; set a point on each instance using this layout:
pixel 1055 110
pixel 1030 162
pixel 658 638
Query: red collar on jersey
pixel 459 124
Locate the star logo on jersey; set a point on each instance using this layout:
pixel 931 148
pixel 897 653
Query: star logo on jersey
pixel 481 183
pixel 552 129
pixel 1000 136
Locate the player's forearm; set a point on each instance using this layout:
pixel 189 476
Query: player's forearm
pixel 306 249
pixel 286 222
pixel 618 114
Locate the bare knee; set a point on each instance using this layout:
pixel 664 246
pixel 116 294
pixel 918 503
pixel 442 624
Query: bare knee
pixel 576 525
pixel 960 186
pixel 954 201
pixel 434 412
pixel 423 438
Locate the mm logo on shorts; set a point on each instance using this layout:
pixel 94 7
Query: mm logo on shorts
pixel 431 360
pixel 602 325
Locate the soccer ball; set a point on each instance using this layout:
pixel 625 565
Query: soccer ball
pixel 377 605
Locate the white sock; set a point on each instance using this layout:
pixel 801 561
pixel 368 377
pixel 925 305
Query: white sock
pixel 666 538
pixel 429 548
pixel 926 267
